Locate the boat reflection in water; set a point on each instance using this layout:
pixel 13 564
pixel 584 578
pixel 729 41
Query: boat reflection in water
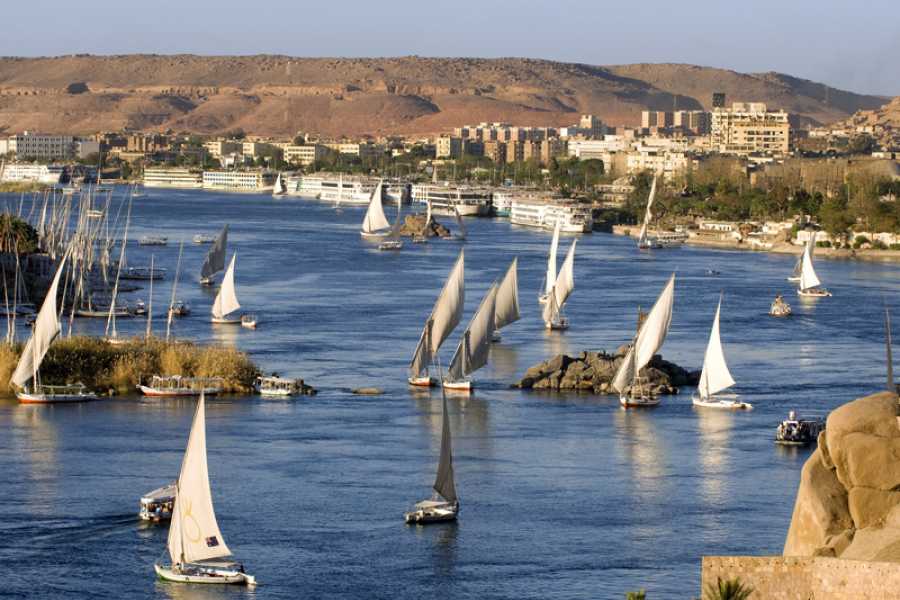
pixel 638 438
pixel 715 440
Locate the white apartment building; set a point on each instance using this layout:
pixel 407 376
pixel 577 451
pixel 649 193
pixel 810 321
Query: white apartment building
pixel 48 174
pixel 238 181
pixel 172 178
pixel 304 154
pixel 750 128
pixel 662 162
pixel 586 149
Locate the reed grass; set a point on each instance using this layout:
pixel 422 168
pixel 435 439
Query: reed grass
pixel 104 367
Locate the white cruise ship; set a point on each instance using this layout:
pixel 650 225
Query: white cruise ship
pixel 239 181
pixel 330 187
pixel 172 178
pixel 469 201
pixel 545 211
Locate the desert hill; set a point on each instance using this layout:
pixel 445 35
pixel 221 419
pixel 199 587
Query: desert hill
pixel 280 95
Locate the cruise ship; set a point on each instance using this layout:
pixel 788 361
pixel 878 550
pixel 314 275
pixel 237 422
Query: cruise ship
pixel 330 187
pixel 238 181
pixel 545 211
pixel 468 201
pixel 172 178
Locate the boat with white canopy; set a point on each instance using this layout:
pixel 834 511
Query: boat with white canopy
pixel 178 386
pixel 157 505
pixel 444 503
pixel 631 385
pixel 715 376
pixel 444 318
pixel 375 224
pixel 46 328
pixel 197 550
pixel 550 276
pixel 562 288
pixel 215 258
pixel 809 281
pixel 226 301
pixel 506 309
pixel 474 346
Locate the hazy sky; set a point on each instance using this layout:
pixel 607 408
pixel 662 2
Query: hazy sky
pixel 851 45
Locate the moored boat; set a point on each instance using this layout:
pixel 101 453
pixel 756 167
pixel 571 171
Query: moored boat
pixel 157 505
pixel 172 386
pixel 272 385
pixel 153 240
pixel 795 431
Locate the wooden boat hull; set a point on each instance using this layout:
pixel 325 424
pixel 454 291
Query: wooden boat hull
pixel 814 293
pixel 426 381
pixel 720 403
pixel 374 236
pixel 176 392
pixel 458 386
pixel 29 398
pixel 390 246
pixel 496 336
pixel 208 576
pixel 276 393
pixel 425 516
pixel 557 325
pixel 225 321
pixel 642 402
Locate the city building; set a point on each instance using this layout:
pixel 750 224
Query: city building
pixel 220 148
pixel 304 154
pixel 591 126
pixel 238 181
pixel 749 128
pixel 494 150
pixel 30 145
pixel 515 151
pixel 448 147
pixel 167 177
pixel 656 160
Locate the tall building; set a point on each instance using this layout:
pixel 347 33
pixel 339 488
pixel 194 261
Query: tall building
pixel 304 154
pixel 718 99
pixel 28 145
pixel 448 147
pixel 592 126
pixel 750 128
pixel 695 122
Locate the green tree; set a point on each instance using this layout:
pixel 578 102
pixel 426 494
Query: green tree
pixel 638 595
pixel 16 235
pixel 728 589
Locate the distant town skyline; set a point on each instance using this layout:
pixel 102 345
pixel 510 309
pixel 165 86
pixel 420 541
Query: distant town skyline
pixel 848 46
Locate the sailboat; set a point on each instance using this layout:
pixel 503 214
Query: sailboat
pixel 809 281
pixel 444 318
pixel 550 277
pixel 807 248
pixel 472 352
pixel 649 339
pixel 375 224
pixel 444 503
pixel 461 235
pixel 197 550
pixel 279 189
pixel 46 328
pixel 646 242
pixel 177 308
pixel 112 334
pixel 715 376
pixel 506 310
pixel 562 289
pixel 393 241
pixel 215 258
pixel 226 300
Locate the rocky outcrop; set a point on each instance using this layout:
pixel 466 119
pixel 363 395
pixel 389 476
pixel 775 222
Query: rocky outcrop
pixel 848 503
pixel 416 225
pixel 594 371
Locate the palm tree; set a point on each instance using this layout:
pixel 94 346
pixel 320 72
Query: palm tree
pixel 728 589
pixel 16 235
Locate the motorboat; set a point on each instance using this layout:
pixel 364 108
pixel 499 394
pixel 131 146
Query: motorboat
pixel 153 240
pixel 180 308
pixel 157 505
pixel 273 385
pixel 205 238
pixel 143 273
pixel 780 308
pixel 795 431
pixel 174 386
pixel 55 394
pixel 249 321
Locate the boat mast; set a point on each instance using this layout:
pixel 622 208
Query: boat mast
pixel 150 303
pixel 174 287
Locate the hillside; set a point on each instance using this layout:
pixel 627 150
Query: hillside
pixel 279 95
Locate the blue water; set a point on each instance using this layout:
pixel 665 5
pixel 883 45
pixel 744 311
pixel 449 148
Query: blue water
pixel 563 495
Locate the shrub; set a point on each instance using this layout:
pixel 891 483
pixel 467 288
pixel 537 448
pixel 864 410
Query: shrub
pixel 879 245
pixel 823 244
pixel 638 595
pixel 859 240
pixel 895 246
pixel 728 589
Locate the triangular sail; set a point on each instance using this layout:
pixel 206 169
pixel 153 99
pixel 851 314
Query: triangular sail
pixel 375 220
pixel 649 339
pixel 444 318
pixel 506 310
pixel 551 261
pixel 279 187
pixel 459 223
pixel 46 328
pixel 648 214
pixel 473 349
pixel 226 300
pixel 715 376
pixel 807 249
pixel 215 258
pixel 443 481
pixel 808 277
pixel 194 534
pixel 563 287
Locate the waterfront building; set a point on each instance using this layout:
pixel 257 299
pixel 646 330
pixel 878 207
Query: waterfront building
pixel 30 145
pixel 543 210
pixel 220 148
pixel 750 128
pixel 585 149
pixel 238 181
pixel 304 154
pixel 469 201
pixel 47 174
pixel 166 177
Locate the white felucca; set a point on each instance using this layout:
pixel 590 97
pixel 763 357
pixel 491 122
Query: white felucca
pixel 279 189
pixel 176 307
pixel 197 550
pixel 392 241
pixel 644 241
pixel 46 328
pixel 809 281
pixel 562 289
pixel 444 318
pixel 473 349
pixel 215 258
pixel 375 225
pixel 550 277
pixel 506 310
pixel 444 503
pixel 226 300
pixel 112 334
pixel 715 376
pixel 807 248
pixel 649 339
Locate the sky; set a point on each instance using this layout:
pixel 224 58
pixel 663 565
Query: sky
pixel 849 45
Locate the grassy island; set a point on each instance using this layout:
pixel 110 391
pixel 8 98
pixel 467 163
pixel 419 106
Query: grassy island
pixel 104 367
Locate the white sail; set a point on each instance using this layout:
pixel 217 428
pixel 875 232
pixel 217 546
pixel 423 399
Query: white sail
pixel 506 310
pixel 459 223
pixel 279 187
pixel 226 300
pixel 46 328
pixel 472 352
pixel 808 277
pixel 562 287
pixel 444 318
pixel 715 376
pixel 375 220
pixel 648 214
pixel 649 339
pixel 551 261
pixel 194 534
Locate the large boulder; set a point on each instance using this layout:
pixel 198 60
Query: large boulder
pixel 848 503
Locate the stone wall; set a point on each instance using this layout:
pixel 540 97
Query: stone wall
pixel 806 578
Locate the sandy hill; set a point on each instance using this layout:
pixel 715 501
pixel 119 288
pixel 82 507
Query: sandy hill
pixel 887 115
pixel 280 95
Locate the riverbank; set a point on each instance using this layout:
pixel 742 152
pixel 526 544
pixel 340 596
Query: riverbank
pixel 117 369
pixel 17 187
